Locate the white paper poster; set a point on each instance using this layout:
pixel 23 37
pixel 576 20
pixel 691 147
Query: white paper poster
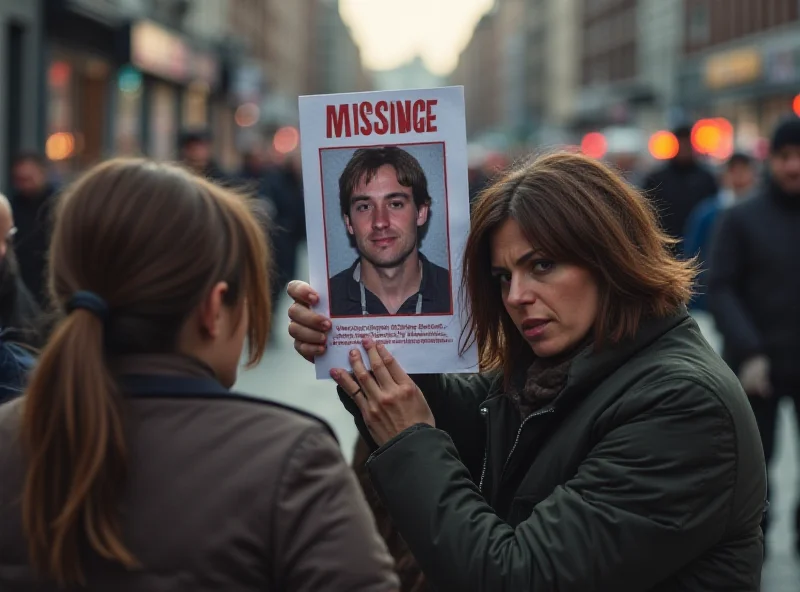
pixel 387 216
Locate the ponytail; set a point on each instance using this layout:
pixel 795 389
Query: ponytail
pixel 72 431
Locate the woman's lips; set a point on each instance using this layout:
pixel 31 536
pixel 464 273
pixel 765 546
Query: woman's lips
pixel 534 328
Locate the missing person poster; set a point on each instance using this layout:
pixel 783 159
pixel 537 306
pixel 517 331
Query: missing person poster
pixel 387 216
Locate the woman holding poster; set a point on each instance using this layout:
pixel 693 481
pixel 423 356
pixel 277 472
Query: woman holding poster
pixel 604 445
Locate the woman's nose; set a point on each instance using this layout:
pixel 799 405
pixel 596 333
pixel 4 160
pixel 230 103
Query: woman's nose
pixel 520 292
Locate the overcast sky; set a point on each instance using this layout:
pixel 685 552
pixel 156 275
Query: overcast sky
pixel 390 32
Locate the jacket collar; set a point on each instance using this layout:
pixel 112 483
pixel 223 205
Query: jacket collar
pixel 162 385
pixel 590 368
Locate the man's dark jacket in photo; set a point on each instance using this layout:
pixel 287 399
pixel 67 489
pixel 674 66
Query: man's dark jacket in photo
pixel 645 474
pixel 345 293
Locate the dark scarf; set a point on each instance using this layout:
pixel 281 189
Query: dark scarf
pixel 545 379
pixel 161 365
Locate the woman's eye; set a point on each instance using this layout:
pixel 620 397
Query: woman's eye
pixel 543 265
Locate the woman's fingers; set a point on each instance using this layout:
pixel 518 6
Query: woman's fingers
pixel 308 351
pixel 305 317
pixel 363 375
pixel 352 388
pixel 307 335
pixel 388 362
pixel 302 293
pixel 377 366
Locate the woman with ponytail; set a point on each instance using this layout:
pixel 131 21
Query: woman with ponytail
pixel 129 464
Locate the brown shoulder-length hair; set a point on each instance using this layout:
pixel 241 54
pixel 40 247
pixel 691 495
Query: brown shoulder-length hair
pixel 579 211
pixel 151 240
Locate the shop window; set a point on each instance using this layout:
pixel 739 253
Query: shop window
pixel 77 118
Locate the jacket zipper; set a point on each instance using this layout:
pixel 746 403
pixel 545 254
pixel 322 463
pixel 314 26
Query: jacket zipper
pixel 538 413
pixel 485 414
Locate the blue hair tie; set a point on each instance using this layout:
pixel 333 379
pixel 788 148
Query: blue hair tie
pixel 90 301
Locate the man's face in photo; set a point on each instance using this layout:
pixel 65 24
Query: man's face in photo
pixel 384 219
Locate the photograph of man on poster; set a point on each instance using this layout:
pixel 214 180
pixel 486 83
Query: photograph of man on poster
pixel 385 206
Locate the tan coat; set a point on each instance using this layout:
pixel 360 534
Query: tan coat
pixel 223 493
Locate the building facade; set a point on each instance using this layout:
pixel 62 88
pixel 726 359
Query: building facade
pixel 125 78
pixel 742 62
pixel 561 44
pixel 660 25
pixel 21 31
pixel 336 67
pixel 290 51
pixel 478 70
pixel 609 83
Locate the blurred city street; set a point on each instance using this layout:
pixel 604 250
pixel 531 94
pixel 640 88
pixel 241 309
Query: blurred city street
pixel 286 377
pixel 694 104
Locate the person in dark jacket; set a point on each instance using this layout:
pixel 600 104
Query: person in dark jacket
pixel 32 201
pixel 129 464
pixel 738 181
pixel 197 154
pixel 754 288
pixel 266 181
pixel 20 315
pixel 604 445
pixel 679 186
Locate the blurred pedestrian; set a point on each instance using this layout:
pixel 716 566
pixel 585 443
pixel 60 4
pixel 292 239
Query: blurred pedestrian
pixel 129 464
pixel 284 184
pixel 268 183
pixel 754 288
pixel 19 314
pixel 197 153
pixel 679 186
pixel 32 199
pixel 604 445
pixel 738 181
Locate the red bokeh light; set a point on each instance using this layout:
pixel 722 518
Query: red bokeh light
pixel 594 145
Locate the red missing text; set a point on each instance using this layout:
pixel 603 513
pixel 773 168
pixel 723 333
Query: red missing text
pixel 381 118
